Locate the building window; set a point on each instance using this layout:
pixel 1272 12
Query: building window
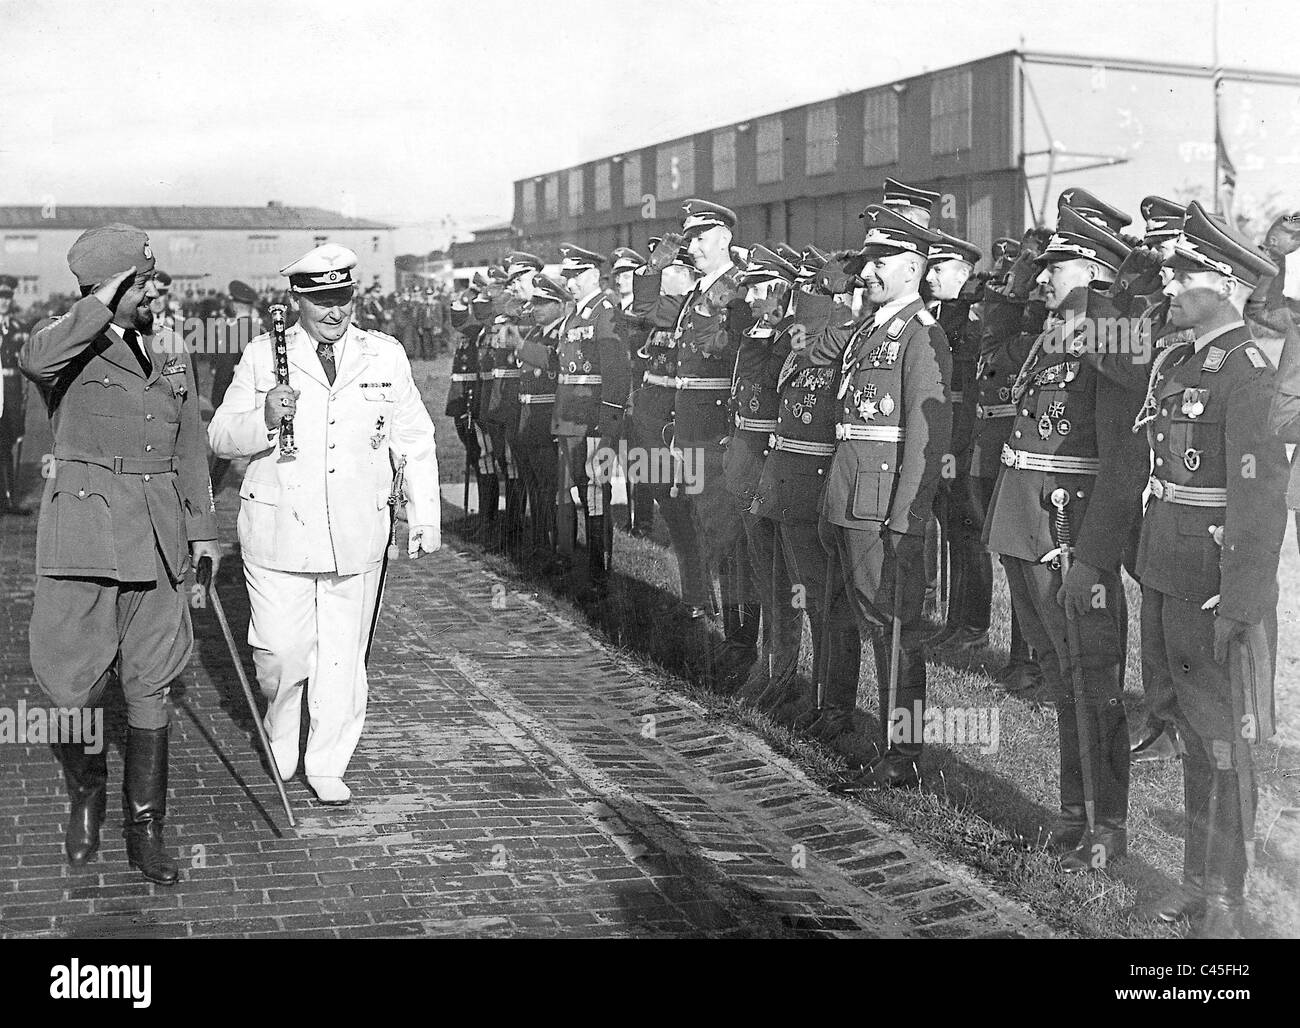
pixel 675 170
pixel 602 186
pixel 880 128
pixel 258 244
pixel 724 160
pixel 551 198
pixel 770 149
pixel 822 141
pixel 184 246
pixel 632 180
pixel 29 286
pixel 950 112
pixel 575 192
pixel 529 202
pixel 22 244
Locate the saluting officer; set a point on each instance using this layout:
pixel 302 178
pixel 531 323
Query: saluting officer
pixel 634 332
pixel 538 352
pixel 313 529
pixel 1069 491
pixel 895 429
pixel 951 263
pixel 127 509
pixel 590 399
pixel 1208 560
pixel 13 399
pixel 768 280
pixel 658 290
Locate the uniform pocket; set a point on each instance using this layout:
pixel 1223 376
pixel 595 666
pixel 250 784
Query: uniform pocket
pixel 81 518
pixel 872 492
pixel 102 397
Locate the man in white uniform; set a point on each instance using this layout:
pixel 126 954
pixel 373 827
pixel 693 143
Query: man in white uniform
pixel 313 529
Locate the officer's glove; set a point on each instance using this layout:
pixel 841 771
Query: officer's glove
pixel 1024 272
pixel 664 252
pixel 1283 236
pixel 1138 275
pixel 835 276
pixel 423 539
pixel 1226 629
pixel 1081 590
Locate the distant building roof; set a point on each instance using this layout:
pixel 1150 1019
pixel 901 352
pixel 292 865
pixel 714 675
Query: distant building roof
pixel 273 216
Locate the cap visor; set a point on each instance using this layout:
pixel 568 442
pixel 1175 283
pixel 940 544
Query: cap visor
pixel 335 297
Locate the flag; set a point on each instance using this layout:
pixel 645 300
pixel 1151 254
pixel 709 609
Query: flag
pixel 1225 172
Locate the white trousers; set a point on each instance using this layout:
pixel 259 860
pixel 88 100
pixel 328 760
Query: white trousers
pixel 307 626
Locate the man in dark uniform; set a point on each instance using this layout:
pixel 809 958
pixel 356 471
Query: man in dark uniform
pixel 127 509
pixel 1011 319
pixel 538 352
pixel 462 392
pixel 470 316
pixel 789 498
pixel 895 429
pixel 1208 560
pixel 768 281
pixel 237 331
pixel 1069 491
pixel 707 325
pixel 590 400
pixel 951 263
pixel 634 331
pixel 658 290
pixel 13 399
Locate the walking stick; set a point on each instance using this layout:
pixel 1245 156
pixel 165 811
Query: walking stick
pixel 203 575
pixel 390 551
pixel 1060 498
pixel 895 653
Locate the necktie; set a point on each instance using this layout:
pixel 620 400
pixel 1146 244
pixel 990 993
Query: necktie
pixel 325 351
pixel 132 338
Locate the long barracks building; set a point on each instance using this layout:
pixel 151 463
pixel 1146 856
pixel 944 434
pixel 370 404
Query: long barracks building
pixel 997 137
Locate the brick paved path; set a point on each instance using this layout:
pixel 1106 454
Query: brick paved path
pixel 515 778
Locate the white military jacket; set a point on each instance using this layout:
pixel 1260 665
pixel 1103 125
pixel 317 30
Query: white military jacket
pixel 327 510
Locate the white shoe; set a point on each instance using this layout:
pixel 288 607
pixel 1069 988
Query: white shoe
pixel 329 790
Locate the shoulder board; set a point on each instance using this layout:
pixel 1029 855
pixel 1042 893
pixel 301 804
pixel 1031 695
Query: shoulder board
pixel 925 317
pixel 1256 358
pixel 1214 359
pixel 381 336
pixel 896 328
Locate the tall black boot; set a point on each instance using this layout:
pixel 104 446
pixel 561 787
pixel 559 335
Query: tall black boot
pixel 516 502
pixel 1108 840
pixel 1225 863
pixel 144 801
pixel 1188 898
pixel 596 574
pixel 899 766
pixel 489 497
pixel 86 775
pixel 1072 822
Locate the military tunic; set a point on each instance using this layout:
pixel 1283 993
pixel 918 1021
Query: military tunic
pixel 539 374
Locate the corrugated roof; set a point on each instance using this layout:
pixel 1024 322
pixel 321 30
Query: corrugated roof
pixel 269 218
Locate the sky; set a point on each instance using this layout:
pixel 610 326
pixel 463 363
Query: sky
pixel 423 113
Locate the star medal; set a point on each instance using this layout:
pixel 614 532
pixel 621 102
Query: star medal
pixel 866 409
pixel 1193 407
pixel 1044 427
pixel 1192 459
pixel 886 405
pixel 377 439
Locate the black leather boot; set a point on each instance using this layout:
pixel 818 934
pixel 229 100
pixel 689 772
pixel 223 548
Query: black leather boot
pixel 144 800
pixel 1072 821
pixel 1187 899
pixel 516 502
pixel 1225 860
pixel 1108 840
pixel 86 775
pixel 597 576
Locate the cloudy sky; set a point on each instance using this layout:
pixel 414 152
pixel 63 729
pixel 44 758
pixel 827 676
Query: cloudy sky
pixel 422 113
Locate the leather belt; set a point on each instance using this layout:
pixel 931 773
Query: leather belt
pixel 1055 463
pixel 505 372
pixel 667 381
pixel 780 442
pixel 1187 495
pixel 123 465
pixel 996 410
pixel 465 376
pixel 756 424
pixel 579 380
pixel 870 433
pixel 703 383
pixel 957 397
pixel 536 397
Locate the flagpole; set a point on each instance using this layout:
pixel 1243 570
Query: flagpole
pixel 1216 79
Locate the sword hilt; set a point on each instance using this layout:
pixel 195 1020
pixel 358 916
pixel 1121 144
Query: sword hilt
pixel 1060 500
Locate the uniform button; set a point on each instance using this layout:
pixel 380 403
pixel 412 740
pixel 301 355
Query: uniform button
pixel 1031 392
pixel 149 448
pixel 1025 413
pixel 106 380
pixel 331 446
pixel 820 471
pixel 884 467
pixel 148 417
pixel 146 388
pixel 331 471
pixel 1079 494
pixel 1159 461
pixel 81 492
pixel 148 478
pixel 331 421
pixel 1164 410
pixel 1017 435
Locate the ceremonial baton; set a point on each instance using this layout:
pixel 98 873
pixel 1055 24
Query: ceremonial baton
pixel 1060 498
pixel 203 575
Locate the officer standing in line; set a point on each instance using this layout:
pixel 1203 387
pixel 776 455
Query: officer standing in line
pixel 1071 487
pixel 658 290
pixel 1208 559
pixel 768 280
pixel 13 399
pixel 895 429
pixel 126 511
pixel 634 331
pixel 462 392
pixel 538 352
pixel 470 316
pixel 1011 319
pixel 590 400
pixel 707 326
pixel 789 496
pixel 952 261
